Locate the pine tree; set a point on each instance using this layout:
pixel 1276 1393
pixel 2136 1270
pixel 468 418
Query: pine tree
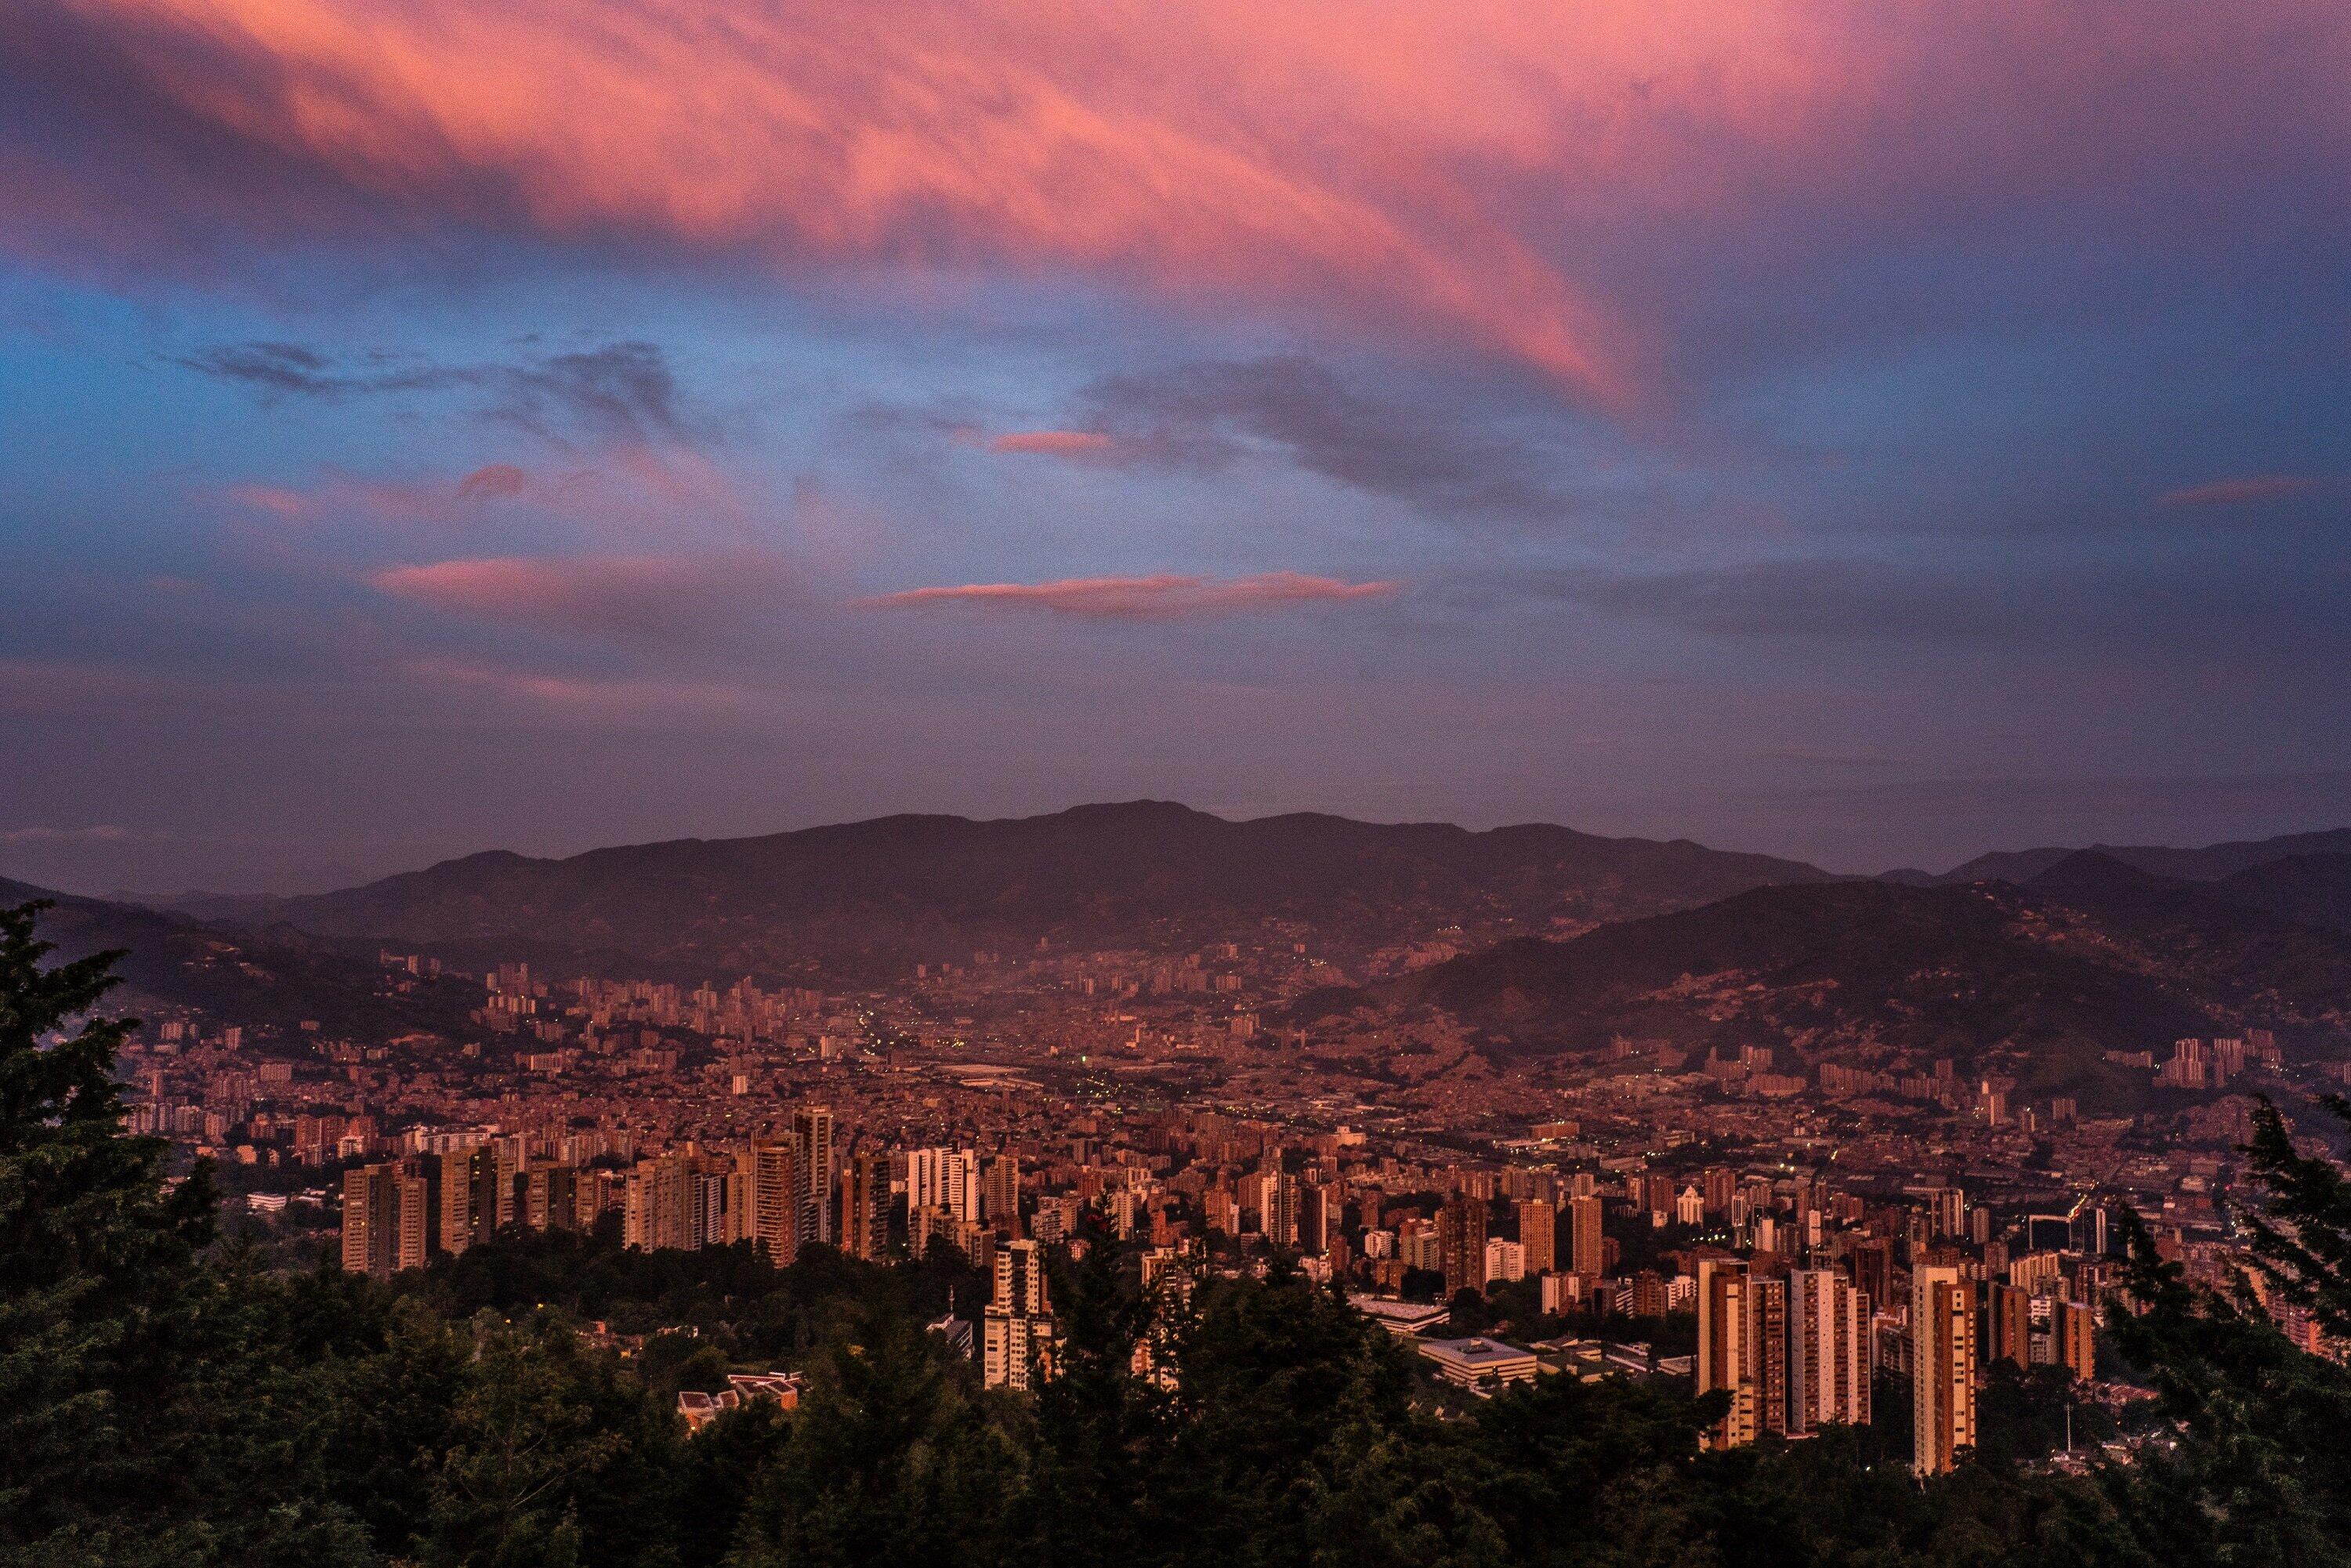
pixel 1095 1496
pixel 2254 1472
pixel 889 1460
pixel 2302 1235
pixel 96 1266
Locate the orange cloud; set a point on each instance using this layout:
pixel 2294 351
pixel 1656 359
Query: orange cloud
pixel 1162 597
pixel 2236 492
pixel 1055 443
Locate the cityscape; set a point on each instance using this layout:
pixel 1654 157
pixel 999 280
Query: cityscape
pixel 1792 1233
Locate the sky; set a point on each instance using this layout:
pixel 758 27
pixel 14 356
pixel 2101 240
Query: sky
pixel 1875 433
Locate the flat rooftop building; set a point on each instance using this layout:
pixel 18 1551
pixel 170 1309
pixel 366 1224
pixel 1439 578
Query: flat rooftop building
pixel 1405 1320
pixel 1480 1365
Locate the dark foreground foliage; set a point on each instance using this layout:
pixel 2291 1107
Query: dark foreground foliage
pixel 167 1400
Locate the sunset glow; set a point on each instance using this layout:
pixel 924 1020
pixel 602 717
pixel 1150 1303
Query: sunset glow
pixel 1719 388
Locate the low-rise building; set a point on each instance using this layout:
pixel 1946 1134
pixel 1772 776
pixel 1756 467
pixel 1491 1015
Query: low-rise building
pixel 1405 1320
pixel 1480 1365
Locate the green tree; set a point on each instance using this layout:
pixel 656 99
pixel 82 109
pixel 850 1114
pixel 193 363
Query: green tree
pixel 1095 1492
pixel 890 1460
pixel 557 1458
pixel 372 1420
pixel 1268 1378
pixel 2302 1233
pixel 1576 1472
pixel 2249 1470
pixel 97 1275
pixel 671 1363
pixel 723 1464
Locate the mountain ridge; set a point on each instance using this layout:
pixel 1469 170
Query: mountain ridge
pixel 1149 874
pixel 2314 889
pixel 2208 863
pixel 2038 979
pixel 275 978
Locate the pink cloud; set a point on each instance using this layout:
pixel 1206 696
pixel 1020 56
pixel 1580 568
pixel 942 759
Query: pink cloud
pixel 2237 492
pixel 1429 172
pixel 1054 443
pixel 103 833
pixel 1143 146
pixel 43 688
pixel 294 506
pixel 494 479
pixel 1163 597
pixel 583 698
pixel 643 597
pixel 338 496
pixel 628 489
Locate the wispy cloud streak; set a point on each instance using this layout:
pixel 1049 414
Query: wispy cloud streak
pixel 1435 459
pixel 640 597
pixel 2239 492
pixel 1054 443
pixel 1165 596
pixel 620 393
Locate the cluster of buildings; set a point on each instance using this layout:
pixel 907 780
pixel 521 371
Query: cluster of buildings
pixel 1806 1223
pixel 1802 1299
pixel 1802 1295
pixel 461 1187
pixel 699 1407
pixel 779 1193
pixel 1800 1350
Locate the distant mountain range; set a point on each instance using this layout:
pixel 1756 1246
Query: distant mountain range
pixel 2046 958
pixel 2305 877
pixel 275 978
pixel 874 896
pixel 2312 889
pixel 2209 864
pixel 2089 954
